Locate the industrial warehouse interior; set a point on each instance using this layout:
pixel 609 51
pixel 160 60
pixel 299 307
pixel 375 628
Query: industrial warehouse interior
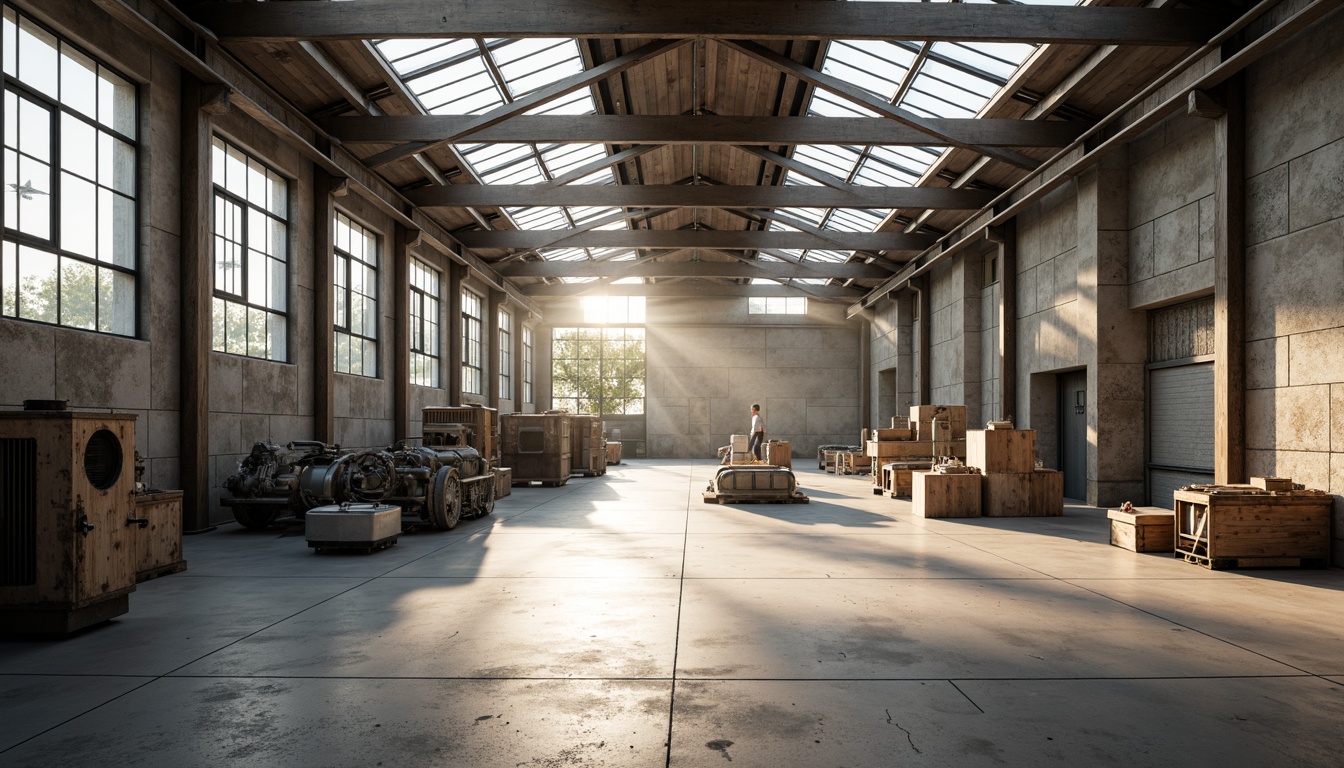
pixel 429 382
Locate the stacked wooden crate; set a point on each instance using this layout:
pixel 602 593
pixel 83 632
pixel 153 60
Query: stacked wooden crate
pixel 852 463
pixel 913 443
pixel 1012 486
pixel 955 493
pixel 1270 523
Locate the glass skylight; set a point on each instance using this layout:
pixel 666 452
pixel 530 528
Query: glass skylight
pixel 467 77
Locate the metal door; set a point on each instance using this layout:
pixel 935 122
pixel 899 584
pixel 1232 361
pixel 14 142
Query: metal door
pixel 1180 429
pixel 1073 433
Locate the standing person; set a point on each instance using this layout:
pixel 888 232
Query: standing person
pixel 757 431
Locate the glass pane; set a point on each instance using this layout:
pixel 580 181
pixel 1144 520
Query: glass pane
pixel 116 302
pixel 37 58
pixel 79 140
pixel 256 277
pixel 256 183
pixel 79 206
pixel 37 285
pixel 235 171
pixel 123 228
pixel 79 82
pixel 277 196
pixel 79 295
pixel 342 352
pixel 256 332
pixel 277 297
pixel 236 331
pixel 35 131
pixel 218 160
pixel 116 164
pixel 276 246
pixel 34 199
pixel 277 326
pixel 10 43
pixel 217 324
pixel 9 275
pixel 370 358
pixel 116 103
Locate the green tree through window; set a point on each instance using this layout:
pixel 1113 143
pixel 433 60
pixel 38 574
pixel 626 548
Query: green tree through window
pixel 598 370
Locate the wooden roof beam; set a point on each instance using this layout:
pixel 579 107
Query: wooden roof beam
pixel 751 19
pixel 703 269
pixel 736 239
pixel 697 196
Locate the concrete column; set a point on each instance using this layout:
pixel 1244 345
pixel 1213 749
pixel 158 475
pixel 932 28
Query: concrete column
pixel 455 275
pixel 1006 238
pixel 1229 287
pixel 923 341
pixel 490 348
pixel 542 368
pixel 326 188
pixel 906 377
pixel 200 103
pixel 403 240
pixel 869 416
pixel 518 318
pixel 1112 339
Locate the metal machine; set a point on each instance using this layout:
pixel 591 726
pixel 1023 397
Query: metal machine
pixel 439 483
pixel 745 483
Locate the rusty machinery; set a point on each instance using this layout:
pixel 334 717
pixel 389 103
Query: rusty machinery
pixel 441 482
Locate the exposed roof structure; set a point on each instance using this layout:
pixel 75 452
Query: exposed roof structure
pixel 702 146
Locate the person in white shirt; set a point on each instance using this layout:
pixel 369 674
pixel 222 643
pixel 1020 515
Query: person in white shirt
pixel 757 432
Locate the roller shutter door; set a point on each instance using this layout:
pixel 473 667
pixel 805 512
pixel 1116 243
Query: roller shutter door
pixel 1180 429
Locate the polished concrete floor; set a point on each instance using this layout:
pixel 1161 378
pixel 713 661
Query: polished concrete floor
pixel 620 621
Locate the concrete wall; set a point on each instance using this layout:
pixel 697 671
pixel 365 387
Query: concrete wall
pixel 891 379
pixel 1295 265
pixel 955 329
pixel 703 378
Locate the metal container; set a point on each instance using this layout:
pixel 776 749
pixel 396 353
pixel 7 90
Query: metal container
pixel 366 527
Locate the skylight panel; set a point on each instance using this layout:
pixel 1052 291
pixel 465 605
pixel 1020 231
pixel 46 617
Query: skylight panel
pixel 837 161
pixel 853 220
pixel 932 98
pixel 564 254
pixel 879 172
pixel 562 158
pixel 532 63
pixel 793 179
pixel 579 102
pixel 539 218
pixel 829 256
pixel 997 59
pixel 827 104
pixel 812 216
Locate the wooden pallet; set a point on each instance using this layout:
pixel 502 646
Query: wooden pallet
pixel 711 497
pixel 1225 563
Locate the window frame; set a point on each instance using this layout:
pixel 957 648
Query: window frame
pixel 505 355
pixel 777 305
pixel 602 337
pixel 344 294
pixel 529 393
pixel 425 326
pixel 471 341
pixel 122 319
pixel 221 193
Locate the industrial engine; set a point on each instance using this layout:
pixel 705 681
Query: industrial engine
pixel 441 482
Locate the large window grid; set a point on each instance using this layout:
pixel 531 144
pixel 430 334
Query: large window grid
pixel 251 257
pixel 471 342
pixel 355 254
pixel 777 305
pixel 598 370
pixel 529 395
pixel 70 159
pixel 505 355
pixel 424 324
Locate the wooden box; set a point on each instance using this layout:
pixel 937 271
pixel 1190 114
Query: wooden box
pixel 851 463
pixel 503 481
pixel 1146 529
pixel 830 461
pixel 1221 526
pixel 938 495
pixel 914 449
pixel 485 425
pixel 158 545
pixel 892 434
pixel 587 449
pixel 739 443
pixel 779 453
pixel 1006 494
pixel 1273 483
pixel 900 422
pixel 536 447
pixel 1047 493
pixel 1001 450
pixel 896 477
pixel 921 417
pixel 613 452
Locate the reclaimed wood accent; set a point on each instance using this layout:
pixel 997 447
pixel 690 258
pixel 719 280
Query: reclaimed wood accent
pixel 1001 450
pixel 755 19
pixel 938 495
pixel 1222 526
pixel 197 292
pixel 753 133
pixel 1007 494
pixel 158 546
pixel 923 416
pixel 1146 529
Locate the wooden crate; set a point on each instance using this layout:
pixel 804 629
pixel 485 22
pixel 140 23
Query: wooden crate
pixel 536 446
pixel 921 417
pixel 896 477
pixel 938 495
pixel 158 545
pixel 1145 529
pixel 892 434
pixel 1006 494
pixel 852 463
pixel 1047 493
pixel 830 461
pixel 779 453
pixel 503 482
pixel 1001 450
pixel 1244 526
pixel 484 422
pixel 613 452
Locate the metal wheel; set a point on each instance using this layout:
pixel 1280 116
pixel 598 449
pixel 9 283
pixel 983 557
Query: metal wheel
pixel 444 505
pixel 255 518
